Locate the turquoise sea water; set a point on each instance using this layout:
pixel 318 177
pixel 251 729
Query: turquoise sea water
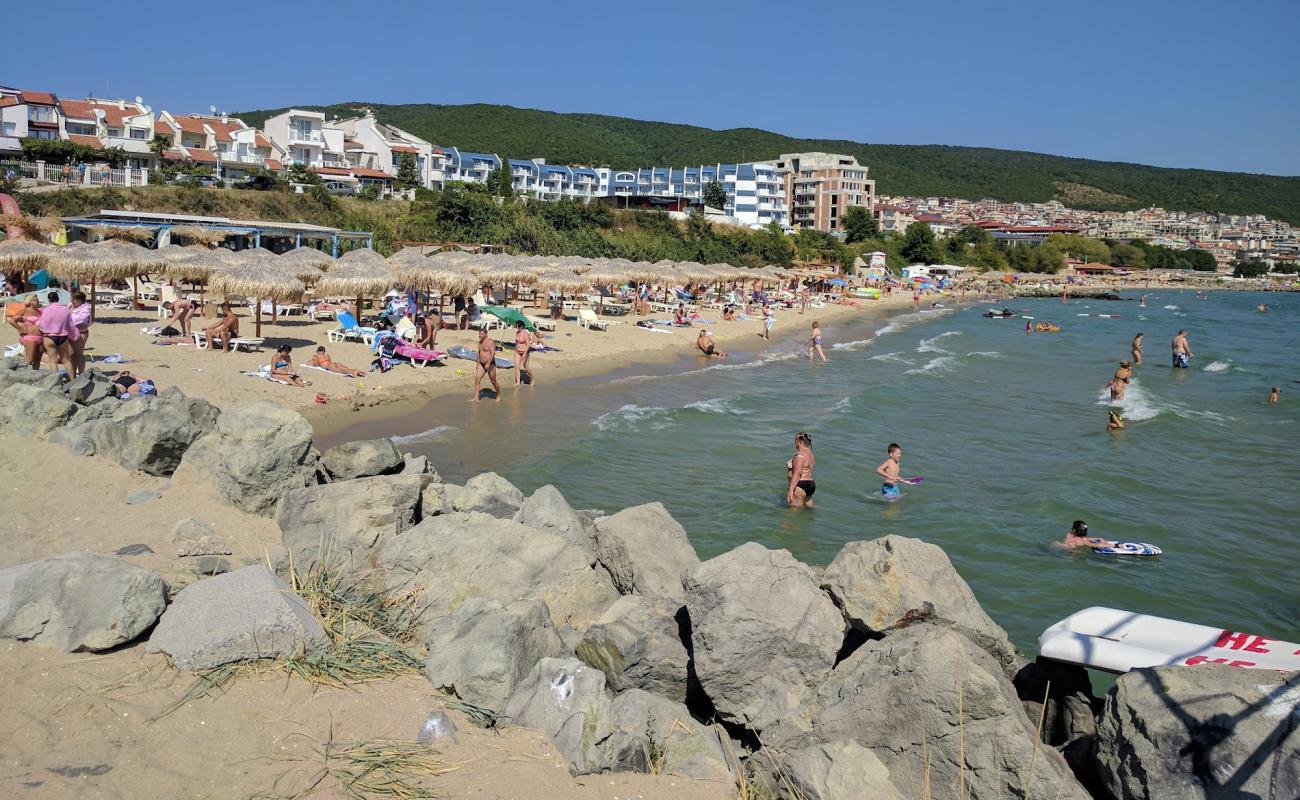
pixel 1007 429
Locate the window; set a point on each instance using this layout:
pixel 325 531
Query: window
pixel 43 134
pixel 139 134
pixel 115 132
pixel 9 129
pixel 40 113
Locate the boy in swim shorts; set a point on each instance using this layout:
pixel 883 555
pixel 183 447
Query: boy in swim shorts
pixel 889 471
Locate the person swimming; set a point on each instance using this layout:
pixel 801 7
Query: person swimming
pixel 1078 537
pixel 1114 422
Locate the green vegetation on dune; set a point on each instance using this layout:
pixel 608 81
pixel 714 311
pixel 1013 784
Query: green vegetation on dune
pixel 928 170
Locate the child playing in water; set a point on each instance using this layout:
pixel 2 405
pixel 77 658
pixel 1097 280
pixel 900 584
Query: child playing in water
pixel 1115 422
pixel 1078 537
pixel 889 471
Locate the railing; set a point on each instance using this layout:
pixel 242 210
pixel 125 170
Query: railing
pixel 298 135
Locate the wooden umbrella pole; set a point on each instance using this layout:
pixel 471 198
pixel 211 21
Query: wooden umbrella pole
pixel 273 312
pixel 257 317
pixel 92 300
pixel 135 290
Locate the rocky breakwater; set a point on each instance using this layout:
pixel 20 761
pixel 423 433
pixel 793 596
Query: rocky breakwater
pixel 878 676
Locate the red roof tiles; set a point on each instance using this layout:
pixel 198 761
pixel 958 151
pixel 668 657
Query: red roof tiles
pixel 201 155
pixel 367 172
pixel 81 138
pixel 402 148
pixel 39 98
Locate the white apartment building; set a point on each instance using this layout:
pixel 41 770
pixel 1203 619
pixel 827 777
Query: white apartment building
pixel 755 193
pixel 230 146
pixel 381 147
pixel 301 135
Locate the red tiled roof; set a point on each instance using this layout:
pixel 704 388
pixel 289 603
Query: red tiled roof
pixel 260 140
pixel 5 102
pixel 162 127
pixel 274 165
pixel 81 138
pixel 330 171
pixel 173 155
pixel 77 109
pixel 40 98
pixel 402 148
pixel 201 155
pixel 198 124
pixel 367 172
pixel 353 144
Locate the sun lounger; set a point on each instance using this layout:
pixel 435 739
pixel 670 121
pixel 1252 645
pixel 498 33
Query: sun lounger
pixel 418 356
pixel 349 329
pixel 486 323
pixel 247 343
pixel 588 319
pixel 542 324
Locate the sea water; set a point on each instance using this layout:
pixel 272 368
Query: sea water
pixel 1007 429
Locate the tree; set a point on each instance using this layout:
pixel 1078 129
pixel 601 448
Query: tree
pixel 918 244
pixel 1201 260
pixel 408 177
pixel 502 183
pixel 298 173
pixel 715 196
pixel 858 224
pixel 1249 269
pixel 159 144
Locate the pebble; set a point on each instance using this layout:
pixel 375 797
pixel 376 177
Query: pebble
pixel 142 497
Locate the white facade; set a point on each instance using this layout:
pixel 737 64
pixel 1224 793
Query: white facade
pixel 384 145
pixel 301 135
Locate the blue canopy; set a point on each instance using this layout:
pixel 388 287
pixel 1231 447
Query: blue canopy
pixel 838 282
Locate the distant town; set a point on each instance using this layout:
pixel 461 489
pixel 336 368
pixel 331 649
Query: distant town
pixel 115 142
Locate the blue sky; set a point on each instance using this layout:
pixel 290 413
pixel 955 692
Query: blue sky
pixel 1183 84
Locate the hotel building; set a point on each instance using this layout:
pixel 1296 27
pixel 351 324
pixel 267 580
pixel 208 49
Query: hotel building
pixel 820 186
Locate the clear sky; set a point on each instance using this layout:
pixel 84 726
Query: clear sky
pixel 1182 83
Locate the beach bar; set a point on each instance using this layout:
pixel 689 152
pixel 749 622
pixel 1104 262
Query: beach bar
pixel 278 237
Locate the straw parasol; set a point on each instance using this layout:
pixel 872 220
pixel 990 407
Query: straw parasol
pixel 199 235
pixel 38 228
pixel 107 260
pixel 261 276
pixel 25 255
pixel 307 263
pixel 358 273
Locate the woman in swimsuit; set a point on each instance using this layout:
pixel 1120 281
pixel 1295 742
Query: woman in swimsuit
pixel 1119 385
pixel 1078 537
pixel 282 367
pixel 802 486
pixel 128 384
pixel 81 319
pixel 29 333
pixel 815 343
pixel 523 348
pixel 323 360
pixel 1137 349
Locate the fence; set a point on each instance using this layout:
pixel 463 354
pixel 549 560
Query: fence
pixel 83 174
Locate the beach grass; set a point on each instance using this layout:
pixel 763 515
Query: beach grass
pixel 374 769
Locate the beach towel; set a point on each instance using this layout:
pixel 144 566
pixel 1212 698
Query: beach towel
pixel 115 358
pixel 322 369
pixel 13 350
pixel 264 372
pixel 407 350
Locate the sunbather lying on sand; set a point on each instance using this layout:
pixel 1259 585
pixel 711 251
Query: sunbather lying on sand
pixel 129 384
pixel 322 360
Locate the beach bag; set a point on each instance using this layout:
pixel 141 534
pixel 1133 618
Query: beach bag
pixel 383 364
pixel 169 331
pixel 147 388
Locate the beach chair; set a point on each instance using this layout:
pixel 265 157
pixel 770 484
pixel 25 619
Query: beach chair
pixel 349 329
pixel 588 319
pixel 418 356
pixel 486 323
pixel 406 329
pixel 542 324
pixel 249 344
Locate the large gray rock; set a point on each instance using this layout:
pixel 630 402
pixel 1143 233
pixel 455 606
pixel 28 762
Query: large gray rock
pixel 547 510
pixel 437 498
pixel 362 459
pixel 649 733
pixel 646 551
pixel 27 410
pixel 82 601
pixel 840 770
pixel 345 522
pixel 419 465
pixel 566 700
pixel 637 644
pixel 763 633
pixel 14 371
pixel 895 580
pixel 245 614
pixel 929 702
pixel 194 537
pixel 1072 709
pixel 446 560
pixel 483 650
pixel 152 434
pixel 1195 733
pixel 491 494
pixel 256 453
pixel 90 387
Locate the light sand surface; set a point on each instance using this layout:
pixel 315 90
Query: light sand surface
pixel 77 725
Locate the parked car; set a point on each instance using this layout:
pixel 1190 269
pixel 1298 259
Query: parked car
pixel 260 183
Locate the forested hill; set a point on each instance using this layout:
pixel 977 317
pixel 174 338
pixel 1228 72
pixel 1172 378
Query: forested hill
pixel 927 170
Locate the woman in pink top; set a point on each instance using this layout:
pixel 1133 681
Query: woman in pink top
pixel 59 332
pixel 80 314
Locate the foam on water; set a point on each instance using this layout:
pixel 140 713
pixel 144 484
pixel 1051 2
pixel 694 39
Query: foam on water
pixel 1218 366
pixel 423 436
pixel 896 358
pixel 854 345
pixel 1170 308
pixel 1139 404
pixel 842 405
pixel 720 405
pixel 939 364
pixel 633 418
pixel 985 354
pixel 929 346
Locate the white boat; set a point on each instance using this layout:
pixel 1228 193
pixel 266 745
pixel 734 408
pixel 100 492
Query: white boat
pixel 1118 641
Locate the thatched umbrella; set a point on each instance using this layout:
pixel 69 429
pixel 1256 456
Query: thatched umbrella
pixel 197 235
pixel 25 255
pixel 196 264
pixel 358 273
pixel 260 277
pixel 35 228
pixel 307 263
pixel 107 260
pixel 131 233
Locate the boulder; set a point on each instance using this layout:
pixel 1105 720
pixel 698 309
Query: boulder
pixel 347 521
pixel 483 650
pixel 362 459
pixel 245 614
pixel 151 434
pixel 194 537
pixel 17 371
pixel 637 643
pixel 894 580
pixel 491 494
pixel 1072 709
pixel 839 770
pixel 763 633
pixel 1194 733
pixel 448 559
pixel 419 465
pixel 547 510
pixel 646 551
pixel 90 387
pixel 27 410
pixel 436 498
pixel 936 709
pixel 566 700
pixel 256 453
pixel 649 733
pixel 82 601
pixel 77 437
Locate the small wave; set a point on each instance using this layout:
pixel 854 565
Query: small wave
pixel 929 346
pixel 1170 308
pixel 854 345
pixel 842 405
pixel 723 405
pixel 940 364
pixel 770 357
pixel 422 436
pixel 632 417
pixel 892 327
pixel 1138 405
pixel 896 358
pixel 1218 366
pixel 985 354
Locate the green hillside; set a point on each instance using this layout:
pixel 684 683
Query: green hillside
pixel 970 172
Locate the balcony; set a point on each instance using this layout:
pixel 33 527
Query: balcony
pixel 301 135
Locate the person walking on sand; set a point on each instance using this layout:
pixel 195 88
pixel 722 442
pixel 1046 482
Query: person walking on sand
pixel 889 472
pixel 815 344
pixel 705 344
pixel 80 311
pixel 799 470
pixel 1137 349
pixel 769 320
pixel 486 364
pixel 523 349
pixel 1182 352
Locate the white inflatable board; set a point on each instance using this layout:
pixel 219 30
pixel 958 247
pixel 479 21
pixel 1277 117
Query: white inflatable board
pixel 1129 549
pixel 1119 641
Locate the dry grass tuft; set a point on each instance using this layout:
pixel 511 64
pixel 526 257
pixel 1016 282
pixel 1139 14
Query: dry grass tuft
pixel 368 770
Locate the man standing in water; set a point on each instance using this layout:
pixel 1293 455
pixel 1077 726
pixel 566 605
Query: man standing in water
pixel 889 471
pixel 1182 352
pixel 486 364
pixel 801 488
